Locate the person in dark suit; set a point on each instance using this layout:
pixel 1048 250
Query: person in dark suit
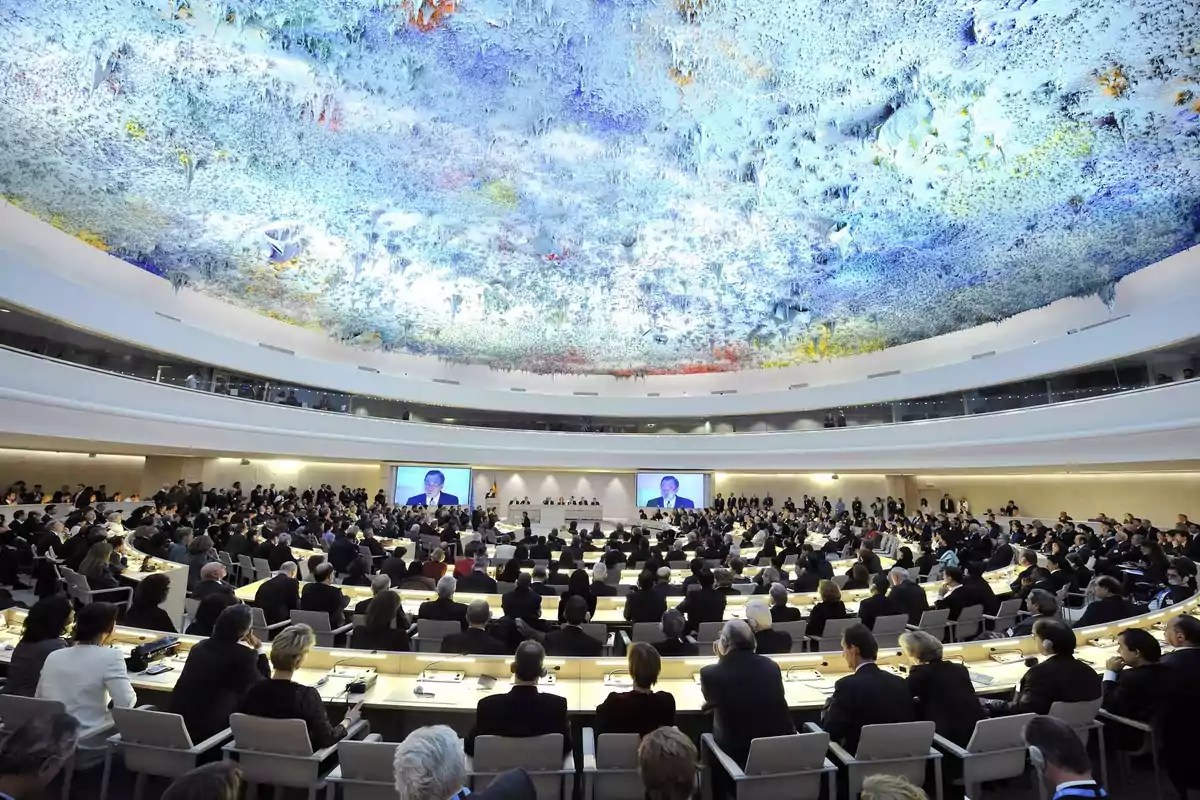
pixel 212 581
pixel 146 611
pixel 1041 605
pixel 322 595
pixel 1109 606
pixel 523 711
pixel 644 604
pixel 1179 723
pixel 477 581
pixel 1063 760
pixel 600 587
pixel 1000 557
pixel 878 604
pixel 669 486
pixel 956 595
pixel 393 566
pixel 218 673
pixel 767 641
pixel 379 584
pixel 475 640
pixel 435 480
pixel 830 607
pixel 1136 685
pixel 781 611
pixel 279 595
pixel 943 690
pixel 642 709
pixel 674 644
pixel 745 693
pixel 571 640
pixel 444 607
pixel 386 627
pixel 703 605
pixel 522 602
pixel 1061 677
pixel 869 696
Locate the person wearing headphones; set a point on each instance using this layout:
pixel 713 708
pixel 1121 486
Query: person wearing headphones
pixel 1061 759
pixel 523 711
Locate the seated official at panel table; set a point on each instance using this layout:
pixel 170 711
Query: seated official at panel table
pixel 669 487
pixel 435 480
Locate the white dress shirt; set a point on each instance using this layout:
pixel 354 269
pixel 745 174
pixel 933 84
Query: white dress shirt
pixel 83 678
pixel 669 502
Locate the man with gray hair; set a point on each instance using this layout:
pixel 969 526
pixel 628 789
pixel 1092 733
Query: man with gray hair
pixel 322 595
pixel 444 607
pixel 475 640
pixel 745 692
pixel 379 583
pixel 780 610
pixel 600 585
pixel 429 765
pixel 279 595
pixel 910 597
pixel 477 581
pixel 212 581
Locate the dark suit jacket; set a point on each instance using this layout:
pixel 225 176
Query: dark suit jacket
pixel 477 582
pixel 772 642
pixel 522 712
pixel 215 678
pixel 325 597
pixel 444 499
pixel 394 640
pixel 474 642
pixel 1106 610
pixel 278 597
pixel 868 697
pixel 785 614
pixel 1140 693
pixel 443 609
pixel 523 603
pixel 671 648
pixel 703 605
pixel 680 502
pixel 635 712
pixel 945 695
pixel 962 597
pixel 1058 678
pixel 1180 722
pixel 745 692
pixel 571 641
pixel 822 612
pixel 1000 557
pixel 645 606
pixel 877 606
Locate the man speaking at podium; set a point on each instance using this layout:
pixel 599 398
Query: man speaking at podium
pixel 669 486
pixel 434 496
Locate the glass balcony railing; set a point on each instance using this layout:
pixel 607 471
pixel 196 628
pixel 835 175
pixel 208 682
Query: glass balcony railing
pixel 49 338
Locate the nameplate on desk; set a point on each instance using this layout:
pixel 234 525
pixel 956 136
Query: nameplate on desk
pixel 440 676
pixel 980 678
pixel 1007 658
pixel 623 681
pixel 802 675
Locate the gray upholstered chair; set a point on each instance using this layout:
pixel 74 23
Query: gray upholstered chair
pixel 365 770
pixel 933 622
pixel 995 752
pixel 278 752
pixel 430 633
pixel 777 767
pixel 899 748
pixel 540 756
pixel 887 629
pixel 831 638
pixel 319 622
pixel 154 743
pixel 610 769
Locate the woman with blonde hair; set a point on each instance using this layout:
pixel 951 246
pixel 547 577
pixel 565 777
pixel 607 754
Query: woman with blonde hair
pixel 97 569
pixel 830 607
pixel 891 787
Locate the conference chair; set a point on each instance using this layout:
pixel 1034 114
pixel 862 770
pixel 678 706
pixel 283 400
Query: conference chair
pixel 914 574
pixel 1005 616
pixel 933 622
pixel 260 628
pixel 840 580
pixel 319 622
pixel 968 625
pixel 231 568
pixel 246 569
pixel 79 591
pixel 278 752
pixel 504 588
pixel 613 577
pixel 831 638
pixel 708 633
pixel 1151 737
pixel 610 766
pixel 15 711
pixel 898 748
pixel 190 607
pixel 540 756
pixel 156 744
pixel 996 751
pixel 262 570
pixel 777 767
pixel 599 632
pixel 365 770
pixel 430 633
pixel 649 632
pixel 797 630
pixel 1082 719
pixel 887 629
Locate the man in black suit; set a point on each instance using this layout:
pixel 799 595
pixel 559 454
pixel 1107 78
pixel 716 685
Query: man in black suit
pixel 745 693
pixel 393 566
pixel 600 586
pixel 645 604
pixel 780 610
pixel 477 580
pixel 212 581
pixel 955 595
pixel 910 597
pixel 1109 605
pixel 279 595
pixel 475 640
pixel 322 595
pixel 878 604
pixel 704 604
pixel 571 640
pixel 1029 562
pixel 522 602
pixel 1179 726
pixel 444 607
pixel 435 481
pixel 1001 557
pixel 523 711
pixel 538 586
pixel 1061 677
pixel 1136 685
pixel 869 696
pixel 1063 760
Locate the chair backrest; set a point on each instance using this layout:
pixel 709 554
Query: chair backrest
pixel 225 559
pixel 596 630
pixel 914 574
pixel 430 633
pixel 534 754
pixel 834 629
pixel 796 630
pixel 317 620
pixel 275 736
pixel 650 632
pixel 504 587
pixel 935 572
pixel 153 742
pixel 997 749
pixel 367 769
pixel 616 767
pixel 934 621
pixel 969 622
pixel 905 745
pixel 744 588
pixel 1080 716
pixel 15 710
pixel 613 577
pixel 887 629
pixel 245 562
pixel 840 580
pixel 785 755
pixel 709 632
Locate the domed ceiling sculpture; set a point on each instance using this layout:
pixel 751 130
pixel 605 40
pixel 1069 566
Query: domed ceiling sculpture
pixel 613 186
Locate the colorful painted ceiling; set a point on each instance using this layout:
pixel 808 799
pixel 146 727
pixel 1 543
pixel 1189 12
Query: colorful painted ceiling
pixel 613 185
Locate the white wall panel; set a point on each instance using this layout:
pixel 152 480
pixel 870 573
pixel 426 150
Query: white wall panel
pixel 42 398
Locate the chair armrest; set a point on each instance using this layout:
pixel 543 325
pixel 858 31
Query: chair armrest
pixel 912 627
pixel 950 747
pixel 1144 727
pixel 992 617
pixel 283 623
pixel 587 745
pixel 349 626
pixel 362 726
pixel 122 589
pixel 208 744
pixel 371 737
pixel 728 764
pixel 840 753
pixel 812 727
